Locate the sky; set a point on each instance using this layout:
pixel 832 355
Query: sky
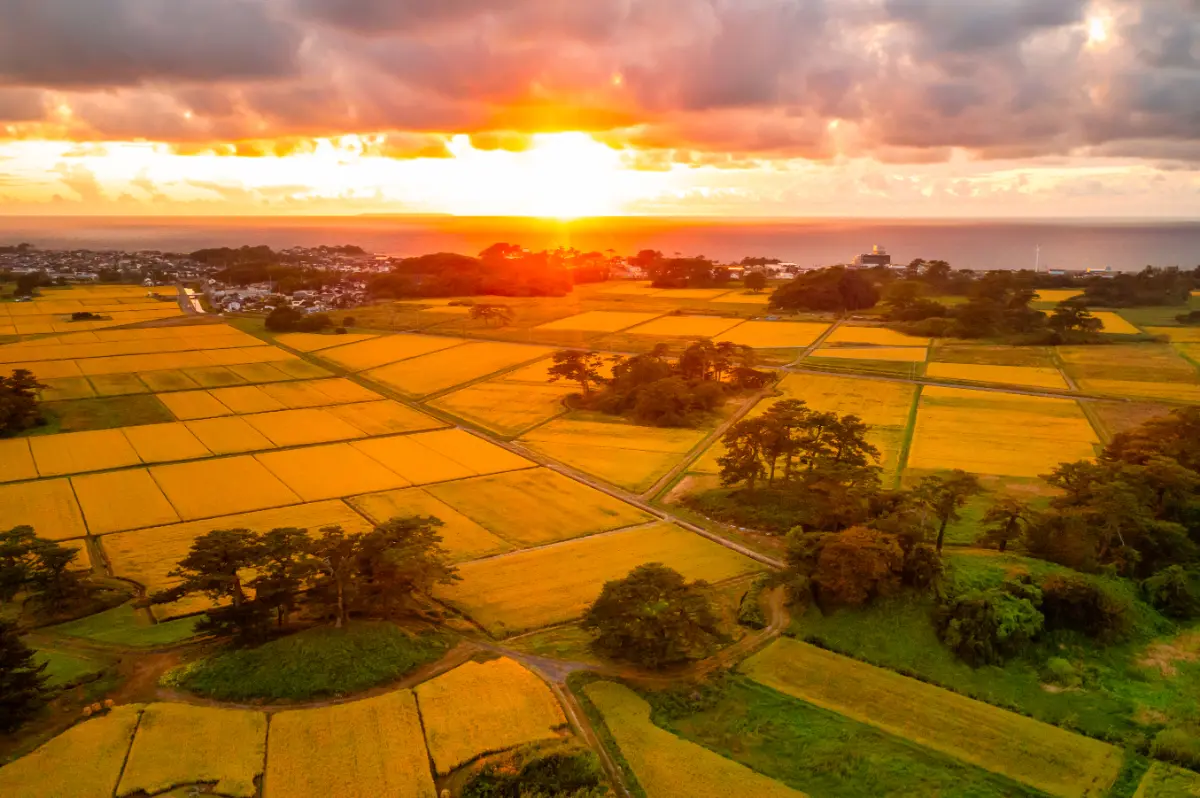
pixel 568 108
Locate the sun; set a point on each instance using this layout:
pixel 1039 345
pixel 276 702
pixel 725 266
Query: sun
pixel 1097 31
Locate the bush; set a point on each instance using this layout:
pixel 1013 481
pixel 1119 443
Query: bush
pixel 1087 605
pixel 340 331
pixel 750 611
pixel 986 627
pixel 1177 745
pixel 1175 592
pixel 574 774
pixel 1061 672
pixel 287 319
pixel 923 567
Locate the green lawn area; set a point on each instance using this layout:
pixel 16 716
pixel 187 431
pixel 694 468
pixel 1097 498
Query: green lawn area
pixel 1120 699
pixel 1158 316
pixel 128 627
pixel 316 662
pixel 82 415
pixel 823 753
pixel 65 668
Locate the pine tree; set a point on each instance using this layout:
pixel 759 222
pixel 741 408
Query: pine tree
pixel 22 681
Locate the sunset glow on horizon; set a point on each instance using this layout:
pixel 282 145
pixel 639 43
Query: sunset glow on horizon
pixel 613 107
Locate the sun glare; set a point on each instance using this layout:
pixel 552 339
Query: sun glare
pixel 1097 31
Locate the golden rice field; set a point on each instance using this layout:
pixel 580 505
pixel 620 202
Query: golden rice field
pixel 301 427
pixel 462 537
pixel 598 321
pixel 76 452
pixel 364 748
pixel 472 452
pixel 146 555
pixel 686 326
pixel 995 433
pixel 228 338
pixel 626 455
pixel 49 506
pixel 330 471
pixel 389 349
pixel 499 595
pixel 1132 362
pixel 1023 749
pixel 210 488
pixel 503 407
pixel 85 761
pixel 1057 295
pixel 1179 335
pixel 231 435
pixel 774 334
pixel 178 744
pixel 1165 781
pixel 1176 391
pixel 407 456
pixel 745 298
pixel 119 500
pixel 384 417
pixel 480 708
pixel 16 460
pixel 439 371
pixel 1114 323
pixel 1025 376
pixel 536 506
pixel 667 766
pixel 874 336
pixel 315 342
pixel 249 399
pixel 894 354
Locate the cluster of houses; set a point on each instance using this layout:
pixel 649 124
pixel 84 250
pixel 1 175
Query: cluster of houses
pixel 83 266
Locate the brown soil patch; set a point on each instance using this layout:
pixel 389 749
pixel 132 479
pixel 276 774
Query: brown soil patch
pixel 1163 656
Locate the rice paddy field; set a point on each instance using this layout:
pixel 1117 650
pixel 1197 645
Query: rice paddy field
pixel 1021 376
pixel 440 371
pixel 50 311
pixel 498 595
pixel 480 708
pixel 1165 781
pixel 1028 751
pixel 774 334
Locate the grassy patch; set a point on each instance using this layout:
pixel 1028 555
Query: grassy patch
pixel 81 415
pixel 127 626
pixel 823 753
pixel 316 662
pixel 1120 699
pixel 68 669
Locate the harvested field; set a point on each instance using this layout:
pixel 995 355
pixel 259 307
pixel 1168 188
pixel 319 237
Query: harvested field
pixel 117 384
pixel 16 461
pixel 429 374
pixel 49 506
pixel 894 354
pixel 686 326
pixel 1025 376
pixel 85 761
pixel 329 472
pixel 384 417
pixel 875 336
pixel 121 500
pixel 209 488
pixel 146 556
pixel 536 506
pixel 774 334
pixel 1028 751
pixel 1114 324
pixel 504 407
pixel 480 708
pixel 179 744
pixel 315 342
pixel 667 766
pixel 461 537
pixel 389 349
pixel 1003 434
pixel 232 435
pixel 64 388
pixel 499 595
pixel 165 443
pixel 300 427
pixel 598 321
pixel 364 748
pixel 975 354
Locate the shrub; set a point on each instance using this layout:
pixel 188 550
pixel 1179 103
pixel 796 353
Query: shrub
pixel 340 331
pixel 1061 672
pixel 923 566
pixel 556 774
pixel 750 611
pixel 986 627
pixel 1175 592
pixel 1177 745
pixel 1087 605
pixel 856 566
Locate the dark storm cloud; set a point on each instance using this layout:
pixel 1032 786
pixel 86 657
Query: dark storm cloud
pixel 122 42
pixel 897 79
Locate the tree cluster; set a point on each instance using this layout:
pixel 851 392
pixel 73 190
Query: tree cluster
pixel 697 272
pixel 656 390
pixel 834 290
pixel 261 579
pixel 19 409
pixel 39 571
pixel 1151 286
pixel 653 617
pixel 500 270
pixel 289 319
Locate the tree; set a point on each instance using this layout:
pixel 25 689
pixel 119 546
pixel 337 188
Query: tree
pixel 1005 521
pixel 1073 315
pixel 214 568
pixel 836 289
pixel 334 556
pixel 19 402
pixel 578 366
pixel 53 579
pixel 26 283
pixel 281 571
pixel 399 561
pixel 945 496
pixel 490 313
pixel 23 688
pixel 755 281
pixel 652 617
pixel 986 627
pixel 16 561
pixel 283 319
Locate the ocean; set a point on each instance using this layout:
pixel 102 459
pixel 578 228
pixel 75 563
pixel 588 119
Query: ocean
pixel 965 244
